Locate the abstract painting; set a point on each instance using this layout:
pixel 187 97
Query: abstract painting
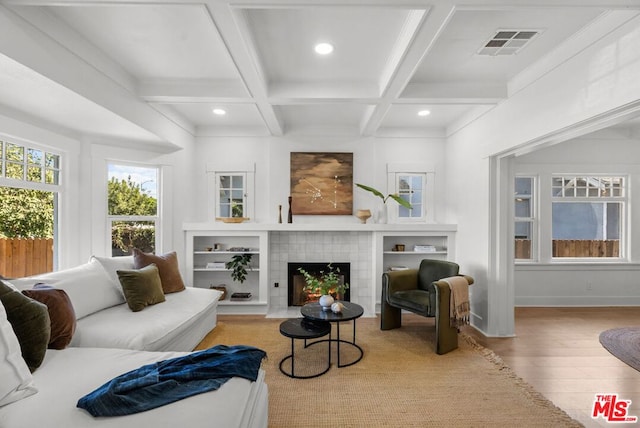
pixel 321 183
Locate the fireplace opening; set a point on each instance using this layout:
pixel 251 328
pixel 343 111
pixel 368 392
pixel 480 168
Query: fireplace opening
pixel 297 296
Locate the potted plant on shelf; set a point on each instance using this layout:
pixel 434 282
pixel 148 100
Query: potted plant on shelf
pixel 383 213
pixel 326 284
pixel 238 266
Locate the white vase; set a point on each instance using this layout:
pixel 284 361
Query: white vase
pixel 381 215
pixel 326 301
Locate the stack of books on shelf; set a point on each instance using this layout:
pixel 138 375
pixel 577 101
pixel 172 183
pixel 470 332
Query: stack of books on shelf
pixel 424 248
pixel 240 297
pixel 216 265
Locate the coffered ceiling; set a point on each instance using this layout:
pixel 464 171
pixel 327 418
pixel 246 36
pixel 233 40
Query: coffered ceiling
pixel 153 71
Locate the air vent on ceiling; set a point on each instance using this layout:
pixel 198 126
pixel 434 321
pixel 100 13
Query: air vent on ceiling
pixel 507 42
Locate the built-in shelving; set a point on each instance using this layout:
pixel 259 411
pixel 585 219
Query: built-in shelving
pixel 200 244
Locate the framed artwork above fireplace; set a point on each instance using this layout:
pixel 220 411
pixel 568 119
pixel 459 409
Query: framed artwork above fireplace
pixel 321 183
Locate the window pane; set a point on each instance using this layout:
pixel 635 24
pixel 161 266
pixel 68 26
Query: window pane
pixel 15 170
pixel 237 182
pixel 225 210
pixel 523 185
pixel 523 232
pixel 225 182
pixel 35 156
pixel 30 216
pixel 14 152
pixel 237 209
pixel 583 229
pixel 225 197
pixel 132 190
pixel 34 173
pixel 126 235
pixel 416 182
pixel 52 161
pixel 523 207
pixel 51 176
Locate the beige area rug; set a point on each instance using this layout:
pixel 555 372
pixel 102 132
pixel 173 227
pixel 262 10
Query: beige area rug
pixel 400 381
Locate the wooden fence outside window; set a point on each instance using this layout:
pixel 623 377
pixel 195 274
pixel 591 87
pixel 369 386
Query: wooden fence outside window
pixel 23 257
pixel 572 248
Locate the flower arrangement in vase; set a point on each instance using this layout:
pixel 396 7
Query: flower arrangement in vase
pixel 326 284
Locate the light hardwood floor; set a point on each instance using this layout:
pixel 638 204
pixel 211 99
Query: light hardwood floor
pixel 557 351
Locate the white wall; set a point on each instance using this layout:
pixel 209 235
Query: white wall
pixel 595 84
pixel 564 284
pixel 272 159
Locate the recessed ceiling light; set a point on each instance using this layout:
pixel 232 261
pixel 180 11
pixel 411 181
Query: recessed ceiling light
pixel 324 48
pixel 424 113
pixel 219 111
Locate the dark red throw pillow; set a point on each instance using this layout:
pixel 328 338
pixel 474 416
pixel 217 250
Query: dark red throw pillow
pixel 61 313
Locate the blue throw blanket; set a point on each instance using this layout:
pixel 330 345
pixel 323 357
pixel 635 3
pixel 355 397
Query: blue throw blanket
pixel 171 380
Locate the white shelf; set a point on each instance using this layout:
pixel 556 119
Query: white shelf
pixel 226 252
pixel 201 269
pixel 420 253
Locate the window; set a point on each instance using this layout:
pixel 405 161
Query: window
pixel 415 184
pixel 29 186
pixel 587 216
pixel 232 197
pixel 411 188
pixel 133 208
pixel 28 164
pixel 524 218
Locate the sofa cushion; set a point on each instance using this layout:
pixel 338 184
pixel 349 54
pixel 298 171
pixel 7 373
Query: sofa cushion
pixel 88 286
pixel 112 264
pixel 61 313
pixel 142 287
pixel 30 322
pixel 167 265
pixel 17 381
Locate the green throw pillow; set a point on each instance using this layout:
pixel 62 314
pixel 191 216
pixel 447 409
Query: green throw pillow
pixel 30 321
pixel 141 287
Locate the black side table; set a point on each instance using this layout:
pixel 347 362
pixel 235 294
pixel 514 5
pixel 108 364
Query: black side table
pixel 350 312
pixel 302 328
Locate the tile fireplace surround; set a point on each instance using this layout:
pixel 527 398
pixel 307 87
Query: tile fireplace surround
pixel 366 247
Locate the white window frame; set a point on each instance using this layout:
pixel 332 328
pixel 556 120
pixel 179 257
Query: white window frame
pixel 532 219
pixel 624 215
pixel 245 169
pixel 56 188
pixel 157 219
pixel 394 171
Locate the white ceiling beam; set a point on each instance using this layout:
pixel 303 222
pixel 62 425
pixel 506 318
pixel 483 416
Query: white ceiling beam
pixel 232 26
pixel 455 92
pixel 21 41
pixel 190 90
pixel 426 34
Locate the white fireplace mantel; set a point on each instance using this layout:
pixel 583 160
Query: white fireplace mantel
pixel 321 227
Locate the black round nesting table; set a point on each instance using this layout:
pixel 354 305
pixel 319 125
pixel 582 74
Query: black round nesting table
pixel 304 328
pixel 350 312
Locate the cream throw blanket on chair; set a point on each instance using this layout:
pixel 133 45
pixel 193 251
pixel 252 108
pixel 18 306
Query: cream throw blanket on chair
pixel 459 308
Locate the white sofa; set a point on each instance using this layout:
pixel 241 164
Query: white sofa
pixel 110 340
pixel 105 321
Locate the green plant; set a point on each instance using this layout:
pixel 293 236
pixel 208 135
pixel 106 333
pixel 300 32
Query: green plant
pixel 393 196
pixel 238 265
pixel 324 282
